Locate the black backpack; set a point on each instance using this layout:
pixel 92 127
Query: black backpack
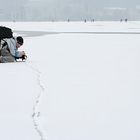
pixel 5 32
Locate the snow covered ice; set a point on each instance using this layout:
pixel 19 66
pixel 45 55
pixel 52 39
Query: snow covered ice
pixel 81 81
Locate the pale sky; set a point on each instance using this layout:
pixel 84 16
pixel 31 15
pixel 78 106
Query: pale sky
pixel 63 9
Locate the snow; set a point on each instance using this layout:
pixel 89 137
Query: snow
pixel 75 85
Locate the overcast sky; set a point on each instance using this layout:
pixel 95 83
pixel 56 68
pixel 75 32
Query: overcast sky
pixel 102 3
pixel 62 9
pixel 120 3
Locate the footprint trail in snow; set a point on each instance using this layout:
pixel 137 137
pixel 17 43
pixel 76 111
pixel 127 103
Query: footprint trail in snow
pixel 36 113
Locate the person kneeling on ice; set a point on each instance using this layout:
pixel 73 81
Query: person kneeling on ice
pixel 9 50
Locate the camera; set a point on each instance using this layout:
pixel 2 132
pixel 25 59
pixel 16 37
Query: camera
pixel 24 57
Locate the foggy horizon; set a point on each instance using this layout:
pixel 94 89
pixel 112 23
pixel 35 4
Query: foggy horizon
pixel 48 10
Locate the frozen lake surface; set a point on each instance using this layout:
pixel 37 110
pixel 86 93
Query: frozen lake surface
pixel 81 81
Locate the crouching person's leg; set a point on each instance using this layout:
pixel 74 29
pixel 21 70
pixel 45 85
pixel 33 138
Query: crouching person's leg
pixel 0 59
pixel 6 56
pixel 7 59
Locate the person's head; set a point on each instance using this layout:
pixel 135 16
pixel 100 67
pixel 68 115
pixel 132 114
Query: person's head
pixel 20 41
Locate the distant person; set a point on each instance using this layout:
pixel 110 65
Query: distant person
pixel 121 20
pixel 126 20
pixel 9 49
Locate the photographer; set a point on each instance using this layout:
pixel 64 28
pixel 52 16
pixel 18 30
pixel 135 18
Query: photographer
pixel 9 50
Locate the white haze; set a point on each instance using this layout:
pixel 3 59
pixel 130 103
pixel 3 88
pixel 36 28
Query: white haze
pixel 62 10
